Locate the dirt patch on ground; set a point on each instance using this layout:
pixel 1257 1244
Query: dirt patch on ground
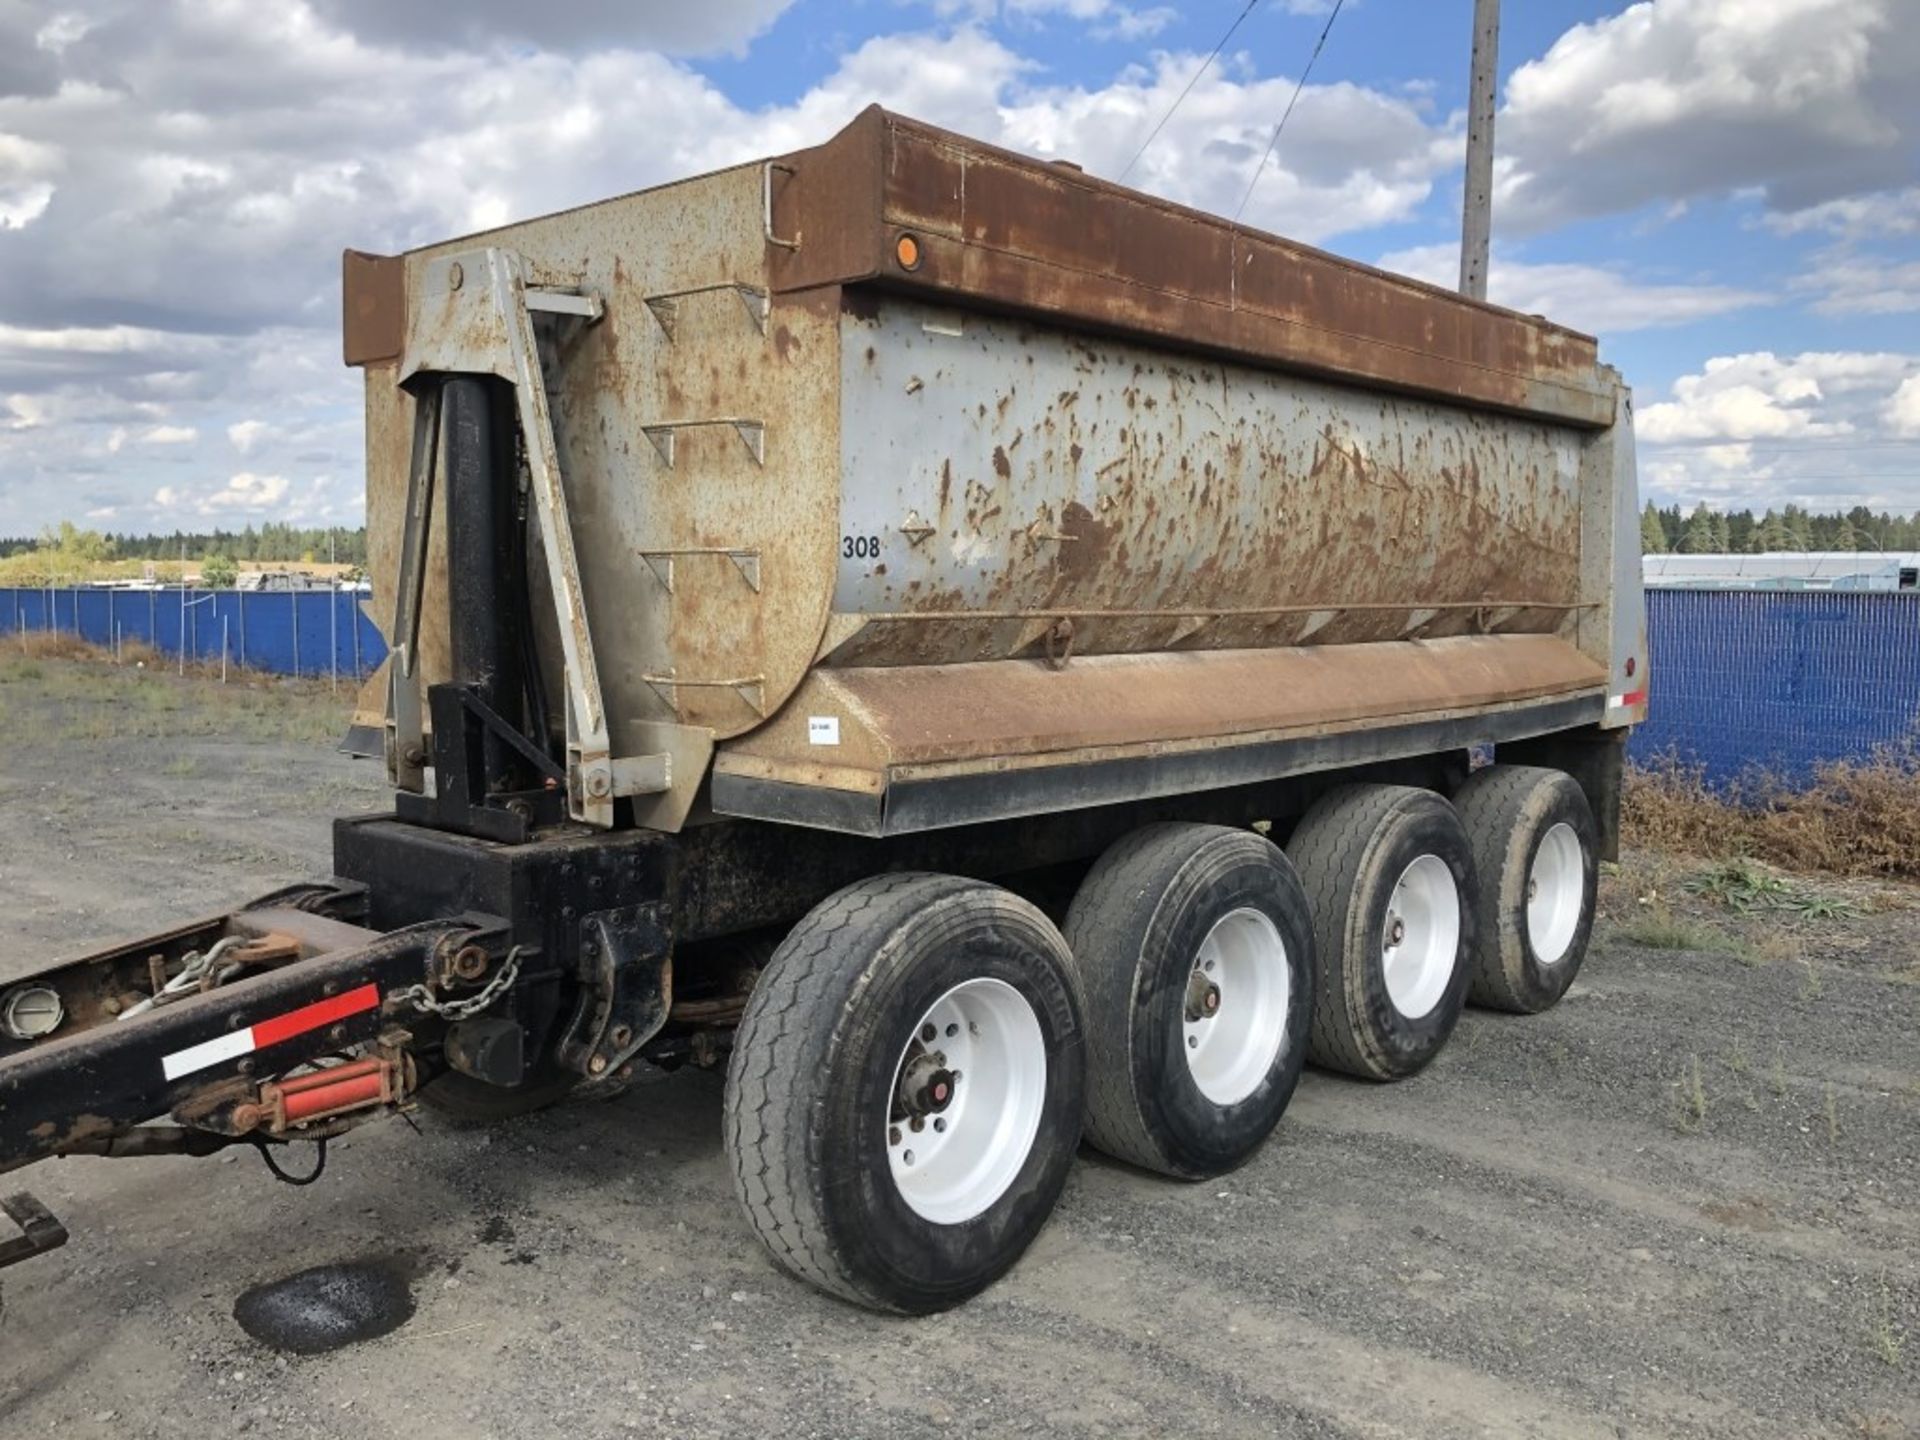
pixel 1682 1204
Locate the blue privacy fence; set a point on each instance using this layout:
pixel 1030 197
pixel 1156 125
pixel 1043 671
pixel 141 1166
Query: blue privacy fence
pixel 1779 679
pixel 1776 678
pixel 312 632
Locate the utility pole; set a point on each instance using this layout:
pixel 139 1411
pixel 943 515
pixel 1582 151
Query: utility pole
pixel 1476 221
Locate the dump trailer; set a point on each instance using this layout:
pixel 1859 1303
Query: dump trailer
pixel 988 657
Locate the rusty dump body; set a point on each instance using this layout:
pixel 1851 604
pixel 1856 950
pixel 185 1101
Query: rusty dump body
pixel 904 459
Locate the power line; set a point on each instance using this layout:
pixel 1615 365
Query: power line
pixel 1274 139
pixel 1205 65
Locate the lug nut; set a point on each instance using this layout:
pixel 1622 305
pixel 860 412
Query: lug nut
pixel 893 1135
pixel 927 1032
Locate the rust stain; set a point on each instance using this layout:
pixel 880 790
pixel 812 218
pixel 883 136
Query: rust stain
pixel 951 715
pixel 1023 236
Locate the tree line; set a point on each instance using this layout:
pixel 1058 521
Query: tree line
pixel 1791 528
pixel 66 554
pixel 271 541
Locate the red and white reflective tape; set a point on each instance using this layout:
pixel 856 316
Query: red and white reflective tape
pixel 1632 697
pixel 270 1032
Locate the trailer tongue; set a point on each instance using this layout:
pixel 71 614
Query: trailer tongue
pixel 243 1029
pixel 869 619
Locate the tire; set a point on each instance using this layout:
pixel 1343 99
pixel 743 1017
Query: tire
pixel 1535 849
pixel 1354 850
pixel 467 1103
pixel 1169 1087
pixel 816 1133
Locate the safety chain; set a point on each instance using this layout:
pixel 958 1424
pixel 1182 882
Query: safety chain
pixel 424 999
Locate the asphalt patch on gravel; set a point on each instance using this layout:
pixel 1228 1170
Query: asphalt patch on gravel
pixel 327 1307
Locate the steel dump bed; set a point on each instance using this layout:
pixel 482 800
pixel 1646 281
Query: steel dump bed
pixel 910 481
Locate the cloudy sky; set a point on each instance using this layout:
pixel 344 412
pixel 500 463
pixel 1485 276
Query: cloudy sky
pixel 1727 191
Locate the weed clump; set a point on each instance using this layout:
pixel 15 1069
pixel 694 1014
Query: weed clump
pixel 1855 817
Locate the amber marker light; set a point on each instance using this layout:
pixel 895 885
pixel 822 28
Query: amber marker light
pixel 907 251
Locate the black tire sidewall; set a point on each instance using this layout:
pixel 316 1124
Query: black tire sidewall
pixel 464 1102
pixel 1406 1044
pixel 894 1254
pixel 1541 985
pixel 1198 1136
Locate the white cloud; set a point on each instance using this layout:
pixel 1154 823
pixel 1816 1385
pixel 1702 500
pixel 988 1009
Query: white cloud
pixel 1598 299
pixel 61 31
pixel 1822 429
pixel 26 189
pixel 1352 157
pixel 170 435
pixel 244 493
pixel 1843 281
pixel 243 435
pixel 1856 217
pixel 1802 101
pixel 1764 396
pixel 708 27
pixel 247 491
pixel 1902 409
pixel 24 412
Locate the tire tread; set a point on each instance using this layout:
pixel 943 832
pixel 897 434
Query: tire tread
pixel 772 1131
pixel 1491 806
pixel 1099 926
pixel 1327 848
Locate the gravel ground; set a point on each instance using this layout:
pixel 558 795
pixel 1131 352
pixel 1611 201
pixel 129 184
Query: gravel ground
pixel 1682 1204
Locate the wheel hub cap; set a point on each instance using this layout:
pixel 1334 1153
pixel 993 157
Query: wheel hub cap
pixel 968 1095
pixel 1235 1018
pixel 1556 893
pixel 1420 937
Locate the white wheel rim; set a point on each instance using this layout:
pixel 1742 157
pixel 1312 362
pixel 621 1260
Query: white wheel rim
pixel 1556 893
pixel 1235 1015
pixel 1420 940
pixel 970 1144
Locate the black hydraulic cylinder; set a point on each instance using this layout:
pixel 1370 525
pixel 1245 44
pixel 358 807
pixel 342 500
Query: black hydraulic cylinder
pixel 485 567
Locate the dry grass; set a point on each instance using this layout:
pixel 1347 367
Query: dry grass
pixel 142 695
pixel 1690 1099
pixel 1856 817
pixel 1658 928
pixel 31 645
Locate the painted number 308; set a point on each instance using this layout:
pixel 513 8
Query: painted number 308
pixel 860 547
